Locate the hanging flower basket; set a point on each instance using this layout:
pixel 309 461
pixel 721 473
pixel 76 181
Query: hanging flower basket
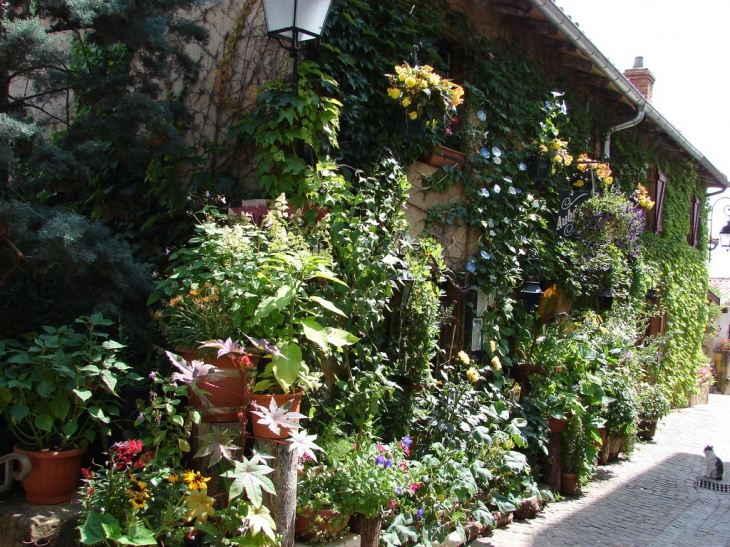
pixel 441 155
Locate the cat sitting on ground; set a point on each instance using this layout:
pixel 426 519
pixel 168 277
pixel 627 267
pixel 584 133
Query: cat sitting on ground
pixel 715 468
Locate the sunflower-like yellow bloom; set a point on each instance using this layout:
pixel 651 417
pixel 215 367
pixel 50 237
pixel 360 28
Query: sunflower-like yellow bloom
pixel 195 480
pixel 406 101
pixel 496 364
pixel 472 375
pixel 463 357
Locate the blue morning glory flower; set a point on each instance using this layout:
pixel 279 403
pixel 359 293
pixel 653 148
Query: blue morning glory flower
pixel 512 190
pixel 522 166
pixel 564 108
pixel 485 192
pixel 496 189
pixel 557 93
pixel 485 153
pixel 471 267
pixel 508 180
pixel 482 116
pixel 518 190
pixel 485 255
pixel 497 152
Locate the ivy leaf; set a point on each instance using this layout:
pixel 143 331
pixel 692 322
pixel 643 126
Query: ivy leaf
pixel 303 444
pixel 251 477
pixel 276 417
pixel 259 520
pixel 218 444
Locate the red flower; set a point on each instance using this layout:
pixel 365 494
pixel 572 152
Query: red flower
pixel 87 472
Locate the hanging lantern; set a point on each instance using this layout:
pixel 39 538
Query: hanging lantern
pixel 531 295
pixel 296 20
pixel 725 235
pixel 652 296
pixel 606 298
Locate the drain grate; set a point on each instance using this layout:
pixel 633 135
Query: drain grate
pixel 709 484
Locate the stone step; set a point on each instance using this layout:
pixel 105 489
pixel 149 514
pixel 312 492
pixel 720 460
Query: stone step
pixel 21 521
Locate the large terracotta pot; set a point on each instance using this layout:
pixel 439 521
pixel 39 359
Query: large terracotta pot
pixel 568 484
pixel 614 448
pixel 226 391
pixel 264 399
pixel 54 475
pixel 646 430
pixel 557 425
pixel 321 525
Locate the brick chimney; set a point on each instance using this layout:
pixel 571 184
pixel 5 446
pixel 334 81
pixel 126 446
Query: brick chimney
pixel 642 78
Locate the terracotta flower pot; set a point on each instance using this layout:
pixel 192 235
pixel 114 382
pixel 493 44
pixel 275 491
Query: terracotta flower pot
pixel 54 475
pixel 646 429
pixel 264 400
pixel 557 425
pixel 441 155
pixel 614 448
pixel 568 484
pixel 321 525
pixel 226 390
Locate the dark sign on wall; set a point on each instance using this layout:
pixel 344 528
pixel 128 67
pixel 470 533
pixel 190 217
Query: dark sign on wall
pixel 569 202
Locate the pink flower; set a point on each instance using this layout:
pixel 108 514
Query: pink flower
pixel 393 503
pixel 403 467
pixel 413 487
pixel 381 448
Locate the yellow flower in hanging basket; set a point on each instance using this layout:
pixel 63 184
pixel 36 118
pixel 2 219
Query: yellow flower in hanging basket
pixel 423 92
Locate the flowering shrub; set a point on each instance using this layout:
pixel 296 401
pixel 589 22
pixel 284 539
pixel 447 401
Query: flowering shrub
pixel 423 92
pixel 724 345
pixel 705 374
pixel 595 168
pixel 132 498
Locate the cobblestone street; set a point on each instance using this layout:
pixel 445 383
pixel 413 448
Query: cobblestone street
pixel 650 501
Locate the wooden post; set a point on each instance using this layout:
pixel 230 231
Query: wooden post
pixel 283 506
pixel 368 529
pixel 552 469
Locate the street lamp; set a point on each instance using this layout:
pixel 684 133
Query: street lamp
pixel 724 239
pixel 292 22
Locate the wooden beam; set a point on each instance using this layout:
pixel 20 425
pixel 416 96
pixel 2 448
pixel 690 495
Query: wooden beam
pixel 542 27
pixel 558 45
pixel 576 62
pixel 609 93
pixel 520 8
pixel 592 79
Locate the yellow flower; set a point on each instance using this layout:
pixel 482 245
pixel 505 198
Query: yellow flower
pixel 172 477
pixel 413 115
pixel 394 93
pixel 200 504
pixel 195 480
pixel 406 101
pixel 496 364
pixel 137 493
pixel 579 183
pixel 568 159
pixel 463 357
pixel 473 375
pixel 410 81
pixel 492 346
pixel 608 181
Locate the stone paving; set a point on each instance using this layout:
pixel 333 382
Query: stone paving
pixel 649 501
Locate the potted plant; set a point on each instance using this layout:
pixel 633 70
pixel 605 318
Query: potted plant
pixel 621 413
pixel 423 97
pixel 58 392
pixel 235 279
pixel 653 405
pixel 572 456
pixel 320 515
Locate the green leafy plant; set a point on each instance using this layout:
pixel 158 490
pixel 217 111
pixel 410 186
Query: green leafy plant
pixel 59 390
pixel 652 403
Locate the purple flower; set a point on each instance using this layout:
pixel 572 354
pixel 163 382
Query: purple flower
pixel 380 460
pixel 388 464
pixel 419 513
pixel 398 490
pixel 407 441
